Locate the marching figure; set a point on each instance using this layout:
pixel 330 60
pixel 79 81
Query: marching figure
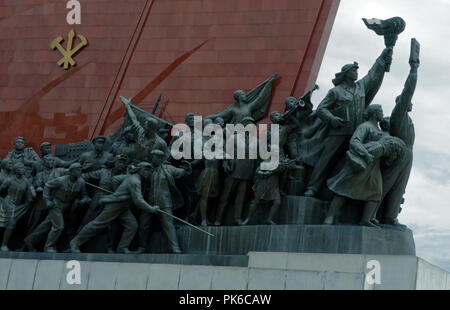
pixel 162 192
pixel 60 195
pixel 117 206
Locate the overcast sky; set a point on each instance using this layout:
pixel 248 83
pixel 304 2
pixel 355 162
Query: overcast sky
pixel 427 207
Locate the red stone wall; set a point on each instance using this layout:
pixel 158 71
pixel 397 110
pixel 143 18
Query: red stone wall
pixel 193 52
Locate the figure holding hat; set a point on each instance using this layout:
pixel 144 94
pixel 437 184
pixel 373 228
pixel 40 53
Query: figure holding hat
pixel 109 178
pixel 163 192
pixel 94 160
pixel 60 194
pixel 117 206
pixel 342 109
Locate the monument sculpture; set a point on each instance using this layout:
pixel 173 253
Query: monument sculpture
pixel 345 148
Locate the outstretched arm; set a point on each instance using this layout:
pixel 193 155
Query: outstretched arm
pixel 373 79
pixel 140 132
pixel 357 142
pixel 126 102
pixel 400 110
pixel 135 191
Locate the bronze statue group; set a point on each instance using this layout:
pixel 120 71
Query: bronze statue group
pixel 345 147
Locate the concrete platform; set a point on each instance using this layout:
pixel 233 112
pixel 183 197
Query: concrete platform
pixel 239 240
pixel 268 271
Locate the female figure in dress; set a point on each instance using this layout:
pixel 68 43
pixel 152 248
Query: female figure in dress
pixel 360 178
pixel 15 204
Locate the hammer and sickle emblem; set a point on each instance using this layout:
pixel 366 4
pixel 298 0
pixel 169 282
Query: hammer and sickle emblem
pixel 69 51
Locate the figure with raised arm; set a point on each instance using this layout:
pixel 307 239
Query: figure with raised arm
pixel 342 109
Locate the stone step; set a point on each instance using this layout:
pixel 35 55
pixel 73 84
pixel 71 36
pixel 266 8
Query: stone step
pixel 239 240
pixel 302 210
pixel 181 259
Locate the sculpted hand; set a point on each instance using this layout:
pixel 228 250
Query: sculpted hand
pixel 369 158
pixel 153 209
pixel 414 64
pixel 387 55
pixel 336 122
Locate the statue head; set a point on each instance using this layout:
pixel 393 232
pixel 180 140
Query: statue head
pixel 7 166
pixel 75 170
pixel 275 117
pixel 206 122
pixel 290 102
pixel 385 124
pixel 120 162
pixel 375 112
pixel 48 161
pixel 158 157
pixel 240 95
pixel 219 121
pixel 19 143
pixel 45 148
pixel 99 143
pixel 19 169
pixel 189 119
pixel 144 169
pixel 348 72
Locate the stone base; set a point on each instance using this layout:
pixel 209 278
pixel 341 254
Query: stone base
pixel 308 211
pixel 263 271
pixel 239 240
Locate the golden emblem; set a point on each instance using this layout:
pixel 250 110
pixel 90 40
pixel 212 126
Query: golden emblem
pixel 68 52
